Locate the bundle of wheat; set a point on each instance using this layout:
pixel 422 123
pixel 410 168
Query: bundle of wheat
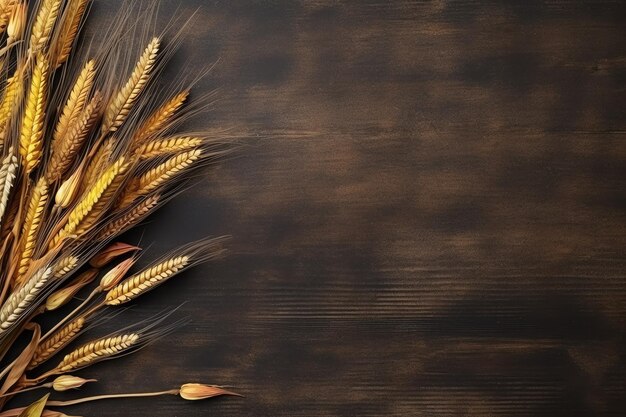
pixel 89 148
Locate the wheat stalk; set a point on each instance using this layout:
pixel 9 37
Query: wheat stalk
pixel 56 342
pixel 120 105
pixel 95 351
pixel 22 299
pixel 31 133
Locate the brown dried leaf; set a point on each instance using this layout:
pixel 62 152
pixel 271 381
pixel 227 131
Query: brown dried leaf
pixel 22 361
pixel 111 252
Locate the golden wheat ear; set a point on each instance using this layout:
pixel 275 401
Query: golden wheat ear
pixel 165 268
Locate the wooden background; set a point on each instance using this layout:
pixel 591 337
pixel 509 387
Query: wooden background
pixel 428 215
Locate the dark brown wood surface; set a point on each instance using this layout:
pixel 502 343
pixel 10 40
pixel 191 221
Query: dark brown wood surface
pixel 428 213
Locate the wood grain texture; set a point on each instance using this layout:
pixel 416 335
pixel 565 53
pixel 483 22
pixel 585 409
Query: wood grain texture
pixel 428 216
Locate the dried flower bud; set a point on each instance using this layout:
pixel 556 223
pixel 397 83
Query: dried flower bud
pixel 111 252
pixel 67 382
pixel 68 189
pixel 194 392
pixel 115 275
pixel 64 295
pixel 17 23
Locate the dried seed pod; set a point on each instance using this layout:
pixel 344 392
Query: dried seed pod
pixel 68 382
pixel 194 392
pixel 115 275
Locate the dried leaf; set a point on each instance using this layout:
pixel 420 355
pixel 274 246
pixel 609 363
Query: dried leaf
pixel 22 361
pixel 111 252
pixel 36 408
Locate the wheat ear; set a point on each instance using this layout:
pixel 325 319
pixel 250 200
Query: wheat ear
pixel 96 351
pixel 56 342
pixel 63 266
pixel 6 8
pixel 103 204
pixel 32 222
pixel 31 135
pixel 166 146
pixel 144 281
pixel 68 31
pixel 75 102
pixel 10 101
pixel 122 102
pixel 22 298
pixel 158 175
pixel 44 23
pixel 86 204
pixel 129 218
pixel 64 153
pixel 160 118
pixel 7 178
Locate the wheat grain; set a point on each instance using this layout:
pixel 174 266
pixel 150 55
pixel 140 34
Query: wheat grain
pixel 7 178
pixel 44 23
pixel 160 118
pixel 22 298
pixel 166 146
pixel 56 342
pixel 32 223
pixel 31 134
pixel 96 351
pixel 144 281
pixel 120 105
pixel 68 30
